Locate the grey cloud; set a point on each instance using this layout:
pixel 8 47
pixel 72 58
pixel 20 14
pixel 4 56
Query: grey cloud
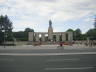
pixel 44 0
pixel 90 4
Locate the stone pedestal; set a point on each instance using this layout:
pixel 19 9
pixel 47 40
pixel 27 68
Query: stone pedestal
pixel 43 37
pixel 50 37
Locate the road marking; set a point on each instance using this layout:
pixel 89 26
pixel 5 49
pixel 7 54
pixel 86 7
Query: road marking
pixel 55 60
pixel 46 54
pixel 69 68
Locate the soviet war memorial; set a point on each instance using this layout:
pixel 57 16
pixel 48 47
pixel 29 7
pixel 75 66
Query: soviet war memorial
pixel 47 35
pixel 50 36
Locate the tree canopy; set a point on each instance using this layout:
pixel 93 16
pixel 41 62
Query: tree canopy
pixel 5 23
pixel 77 34
pixel 5 28
pixel 95 24
pixel 91 34
pixel 70 30
pixel 29 30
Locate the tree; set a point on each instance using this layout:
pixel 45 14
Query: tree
pixel 29 30
pixel 70 30
pixel 95 24
pixel 5 23
pixel 5 28
pixel 21 36
pixel 91 34
pixel 77 34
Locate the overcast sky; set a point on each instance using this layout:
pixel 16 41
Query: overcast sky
pixel 64 14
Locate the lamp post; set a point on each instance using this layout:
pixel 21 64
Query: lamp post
pixel 4 37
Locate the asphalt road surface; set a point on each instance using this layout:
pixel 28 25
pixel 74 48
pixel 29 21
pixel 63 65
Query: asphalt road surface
pixel 48 60
pixel 45 50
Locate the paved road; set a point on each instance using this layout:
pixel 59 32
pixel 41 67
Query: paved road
pixel 44 49
pixel 49 63
pixel 48 60
pixel 48 51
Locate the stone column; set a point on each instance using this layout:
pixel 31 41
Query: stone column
pixel 70 36
pixel 57 37
pixel 30 36
pixel 64 37
pixel 43 37
pixel 37 37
